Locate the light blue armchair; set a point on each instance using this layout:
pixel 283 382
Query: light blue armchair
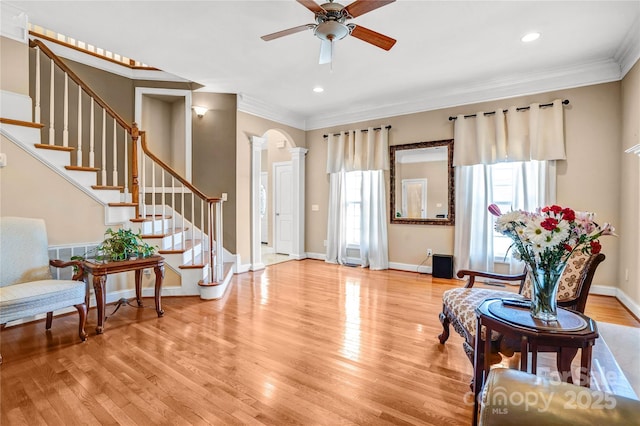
pixel 27 287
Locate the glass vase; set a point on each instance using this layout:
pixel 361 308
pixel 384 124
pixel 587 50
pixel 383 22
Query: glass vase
pixel 544 292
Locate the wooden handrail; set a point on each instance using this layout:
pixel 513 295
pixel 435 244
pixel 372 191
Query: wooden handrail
pixel 79 82
pixel 168 169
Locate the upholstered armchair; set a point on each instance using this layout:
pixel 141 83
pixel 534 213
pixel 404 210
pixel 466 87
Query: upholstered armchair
pixel 459 304
pixel 27 287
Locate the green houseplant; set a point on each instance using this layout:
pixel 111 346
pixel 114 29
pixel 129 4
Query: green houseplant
pixel 121 244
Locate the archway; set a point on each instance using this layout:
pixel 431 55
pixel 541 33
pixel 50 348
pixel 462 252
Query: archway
pixel 273 149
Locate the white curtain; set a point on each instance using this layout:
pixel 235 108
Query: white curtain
pixel 517 135
pixel 367 152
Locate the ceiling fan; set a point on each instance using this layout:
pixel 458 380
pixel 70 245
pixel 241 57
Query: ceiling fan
pixel 331 25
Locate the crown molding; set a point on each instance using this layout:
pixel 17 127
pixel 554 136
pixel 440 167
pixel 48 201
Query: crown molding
pixel 259 108
pixel 488 90
pixel 13 23
pixel 628 52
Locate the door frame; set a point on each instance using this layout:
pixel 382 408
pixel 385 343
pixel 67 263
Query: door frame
pixel 298 156
pixel 178 93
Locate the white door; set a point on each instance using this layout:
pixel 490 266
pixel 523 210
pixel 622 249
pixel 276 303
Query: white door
pixel 283 208
pixel 264 207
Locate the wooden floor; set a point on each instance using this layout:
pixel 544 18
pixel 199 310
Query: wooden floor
pixel 302 342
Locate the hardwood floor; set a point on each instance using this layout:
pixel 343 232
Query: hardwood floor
pixel 302 342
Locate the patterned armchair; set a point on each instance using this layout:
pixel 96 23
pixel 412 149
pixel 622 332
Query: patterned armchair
pixel 26 284
pixel 459 304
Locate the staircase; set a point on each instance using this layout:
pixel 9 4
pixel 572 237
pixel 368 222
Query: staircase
pixel 92 147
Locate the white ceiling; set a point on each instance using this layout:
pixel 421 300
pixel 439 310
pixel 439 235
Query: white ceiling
pixel 448 52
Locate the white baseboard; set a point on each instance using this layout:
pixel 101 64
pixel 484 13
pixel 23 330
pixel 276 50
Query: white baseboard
pixel 411 268
pixel 628 302
pixel 603 290
pixel 316 256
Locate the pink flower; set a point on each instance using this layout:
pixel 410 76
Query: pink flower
pixel 494 210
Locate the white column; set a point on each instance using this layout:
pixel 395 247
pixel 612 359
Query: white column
pixel 257 144
pixel 298 156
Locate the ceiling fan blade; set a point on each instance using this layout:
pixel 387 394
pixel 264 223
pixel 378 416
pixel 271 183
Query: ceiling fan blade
pixel 375 38
pixel 360 7
pixel 326 52
pixel 287 32
pixel 312 6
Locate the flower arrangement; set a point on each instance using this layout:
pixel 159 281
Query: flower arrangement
pixel 544 240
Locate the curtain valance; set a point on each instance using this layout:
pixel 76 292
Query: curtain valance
pixel 517 135
pixel 357 150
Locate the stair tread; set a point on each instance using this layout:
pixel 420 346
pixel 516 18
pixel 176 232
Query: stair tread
pixel 107 187
pixel 188 244
pixel 150 218
pixel 82 168
pixel 166 234
pixel 122 204
pixel 21 123
pixel 54 147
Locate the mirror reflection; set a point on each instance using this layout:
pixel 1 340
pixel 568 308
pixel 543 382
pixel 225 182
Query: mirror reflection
pixel 422 183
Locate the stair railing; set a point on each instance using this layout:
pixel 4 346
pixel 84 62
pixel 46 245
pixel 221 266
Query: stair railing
pixel 99 140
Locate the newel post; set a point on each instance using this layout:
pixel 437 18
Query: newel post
pixel 135 188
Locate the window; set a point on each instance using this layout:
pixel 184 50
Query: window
pixel 503 177
pixel 353 207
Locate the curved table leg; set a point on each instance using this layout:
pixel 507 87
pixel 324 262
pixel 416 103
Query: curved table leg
pixel 159 271
pixel 139 287
pixel 99 282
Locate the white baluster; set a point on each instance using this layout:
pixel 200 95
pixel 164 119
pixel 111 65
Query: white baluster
pixel 193 223
pixel 36 116
pixel 184 212
pixel 126 163
pixel 52 132
pixel 173 216
pixel 79 153
pixel 153 197
pixel 202 239
pixel 65 122
pixel 143 180
pixel 92 154
pixel 219 249
pixel 115 154
pixel 104 149
pixel 163 202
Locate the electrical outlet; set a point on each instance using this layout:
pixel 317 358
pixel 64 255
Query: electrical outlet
pixel 429 252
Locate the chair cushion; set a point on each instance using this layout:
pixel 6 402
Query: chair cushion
pixel 462 302
pixel 570 281
pixel 38 297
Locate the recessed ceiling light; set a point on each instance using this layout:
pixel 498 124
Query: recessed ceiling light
pixel 318 89
pixel 530 37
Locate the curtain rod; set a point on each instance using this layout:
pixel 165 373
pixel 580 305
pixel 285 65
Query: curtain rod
pixel 363 131
pixel 565 102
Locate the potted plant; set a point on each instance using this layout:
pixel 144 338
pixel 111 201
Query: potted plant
pixel 121 244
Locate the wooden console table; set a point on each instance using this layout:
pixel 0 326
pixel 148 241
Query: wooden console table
pixel 572 331
pixel 100 270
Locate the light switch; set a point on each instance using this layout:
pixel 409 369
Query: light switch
pixel 224 196
pixel 315 208
pixel 3 159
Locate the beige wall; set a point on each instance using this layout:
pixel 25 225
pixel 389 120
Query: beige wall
pixel 14 60
pixel 628 226
pixel 249 125
pixel 214 156
pixel 593 143
pixel 31 189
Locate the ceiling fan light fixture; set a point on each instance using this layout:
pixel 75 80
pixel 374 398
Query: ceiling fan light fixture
pixel 331 30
